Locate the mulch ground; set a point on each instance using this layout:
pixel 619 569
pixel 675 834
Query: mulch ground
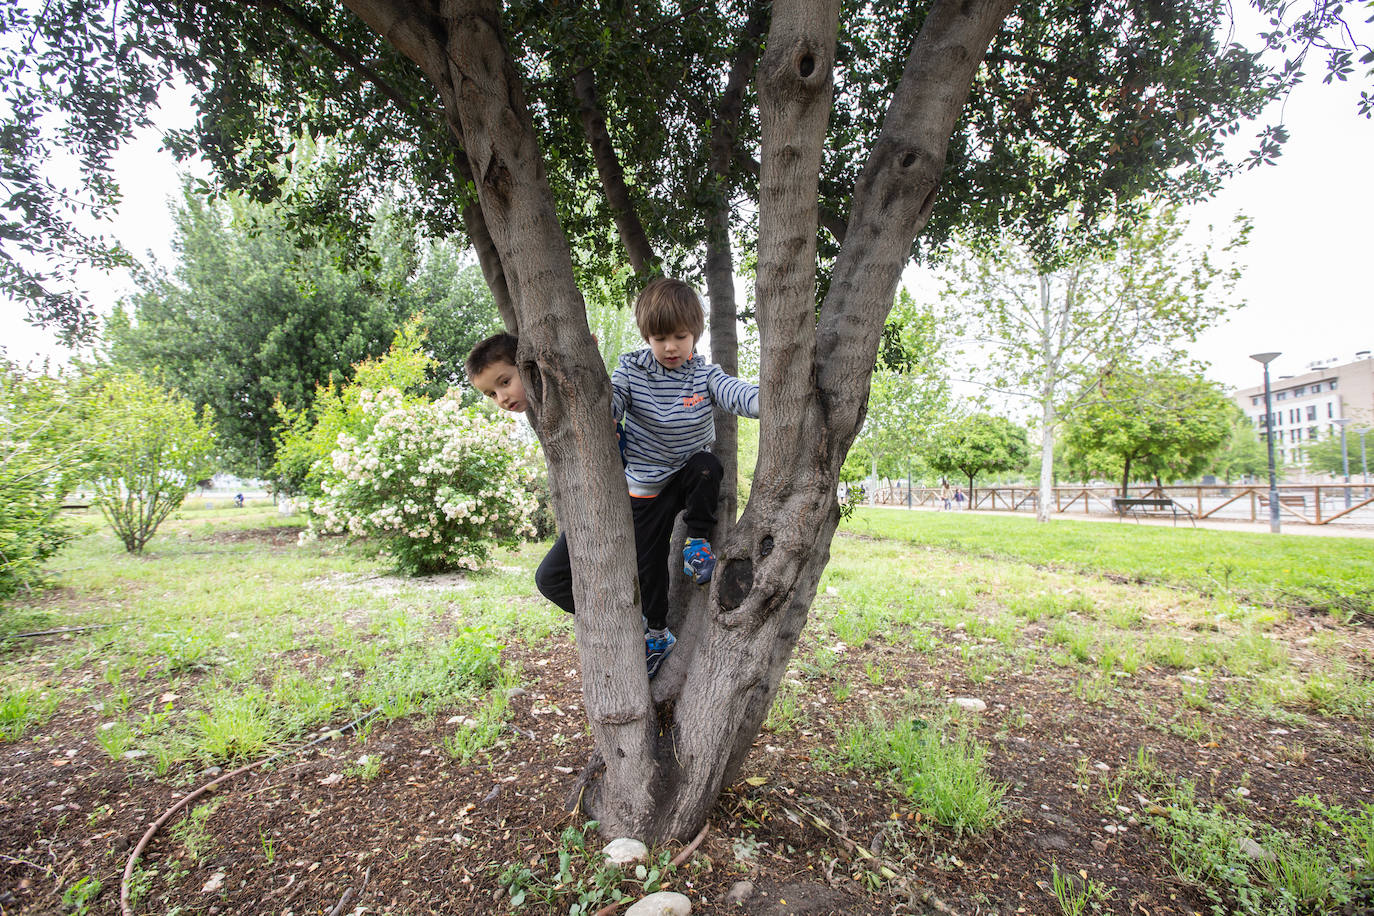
pixel 427 835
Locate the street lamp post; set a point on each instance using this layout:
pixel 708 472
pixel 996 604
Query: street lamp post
pixel 1265 359
pixel 1364 459
pixel 1345 459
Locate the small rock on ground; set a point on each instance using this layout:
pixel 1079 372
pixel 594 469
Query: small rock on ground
pixel 625 851
pixel 740 891
pixel 972 704
pixel 663 903
pixel 1254 850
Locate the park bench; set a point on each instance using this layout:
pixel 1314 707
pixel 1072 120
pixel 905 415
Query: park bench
pixel 1145 506
pixel 1293 500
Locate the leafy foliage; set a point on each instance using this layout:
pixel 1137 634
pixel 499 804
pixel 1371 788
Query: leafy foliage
pixel 437 483
pixel 978 444
pixel 252 317
pixel 1148 423
pixel 1080 109
pixel 1325 455
pixel 908 395
pixel 1244 454
pixel 41 451
pixel 306 437
pixel 149 450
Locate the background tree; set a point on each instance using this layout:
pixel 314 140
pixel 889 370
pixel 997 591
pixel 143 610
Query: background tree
pixel 1046 332
pixel 978 444
pixel 148 451
pixel 472 112
pixel 1324 456
pixel 1243 454
pixel 253 315
pixel 42 450
pixel 1148 423
pixel 908 394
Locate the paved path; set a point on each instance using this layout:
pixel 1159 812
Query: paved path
pixel 1335 529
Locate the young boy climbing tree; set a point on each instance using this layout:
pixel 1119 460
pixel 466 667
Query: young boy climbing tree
pixel 663 397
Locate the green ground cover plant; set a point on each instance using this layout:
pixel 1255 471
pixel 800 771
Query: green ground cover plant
pixel 1326 573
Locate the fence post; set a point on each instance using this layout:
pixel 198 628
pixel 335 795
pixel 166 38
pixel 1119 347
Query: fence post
pixel 1318 490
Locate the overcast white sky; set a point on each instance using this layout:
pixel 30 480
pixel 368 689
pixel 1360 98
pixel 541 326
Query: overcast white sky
pixel 1307 283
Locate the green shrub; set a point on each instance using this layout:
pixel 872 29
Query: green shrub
pixel 149 450
pixel 41 451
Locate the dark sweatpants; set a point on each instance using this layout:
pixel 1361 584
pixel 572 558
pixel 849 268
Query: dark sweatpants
pixel 694 491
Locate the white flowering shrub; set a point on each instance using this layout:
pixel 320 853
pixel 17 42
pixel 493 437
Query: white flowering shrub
pixel 436 483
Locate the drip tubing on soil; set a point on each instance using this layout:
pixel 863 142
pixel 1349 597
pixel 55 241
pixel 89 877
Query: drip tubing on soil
pixel 124 905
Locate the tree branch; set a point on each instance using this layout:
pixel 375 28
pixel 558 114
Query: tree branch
pixel 895 195
pixel 632 234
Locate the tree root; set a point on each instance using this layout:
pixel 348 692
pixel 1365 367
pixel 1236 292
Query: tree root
pixel 691 847
pixel 125 907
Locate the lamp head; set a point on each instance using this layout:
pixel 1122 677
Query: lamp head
pixel 1265 358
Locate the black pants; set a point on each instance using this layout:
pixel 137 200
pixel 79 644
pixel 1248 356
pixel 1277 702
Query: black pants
pixel 694 490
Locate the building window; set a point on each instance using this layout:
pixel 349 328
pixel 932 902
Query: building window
pixel 1311 432
pixel 1254 401
pixel 1332 383
pixel 1329 408
pixel 1311 411
pixel 1281 396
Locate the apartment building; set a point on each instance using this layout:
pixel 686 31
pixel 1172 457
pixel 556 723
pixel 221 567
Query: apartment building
pixel 1307 406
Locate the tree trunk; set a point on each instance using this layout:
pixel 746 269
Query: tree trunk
pixel 1048 414
pixel 1126 478
pixel 665 764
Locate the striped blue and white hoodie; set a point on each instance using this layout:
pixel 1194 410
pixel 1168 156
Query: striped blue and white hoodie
pixel 667 413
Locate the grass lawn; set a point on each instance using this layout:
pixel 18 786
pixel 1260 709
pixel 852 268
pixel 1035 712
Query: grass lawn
pixel 1063 719
pixel 1335 574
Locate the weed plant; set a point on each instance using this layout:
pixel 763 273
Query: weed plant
pixel 940 766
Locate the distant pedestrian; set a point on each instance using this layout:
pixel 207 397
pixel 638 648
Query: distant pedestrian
pixel 945 496
pixel 959 498
pixel 238 500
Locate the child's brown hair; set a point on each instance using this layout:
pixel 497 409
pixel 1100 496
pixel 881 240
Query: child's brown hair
pixel 498 348
pixel 666 306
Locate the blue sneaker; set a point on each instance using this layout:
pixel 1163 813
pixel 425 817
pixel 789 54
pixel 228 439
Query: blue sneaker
pixel 698 562
pixel 656 649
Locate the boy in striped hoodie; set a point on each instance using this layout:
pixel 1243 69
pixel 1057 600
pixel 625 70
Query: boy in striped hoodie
pixel 662 396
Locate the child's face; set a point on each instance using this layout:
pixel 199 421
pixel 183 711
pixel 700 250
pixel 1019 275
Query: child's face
pixel 672 350
pixel 501 382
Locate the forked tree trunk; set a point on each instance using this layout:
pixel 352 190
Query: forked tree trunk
pixel 665 764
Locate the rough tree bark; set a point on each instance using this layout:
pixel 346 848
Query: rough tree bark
pixel 666 764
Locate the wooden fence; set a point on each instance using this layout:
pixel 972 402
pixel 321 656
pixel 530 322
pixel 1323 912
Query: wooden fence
pixel 1309 504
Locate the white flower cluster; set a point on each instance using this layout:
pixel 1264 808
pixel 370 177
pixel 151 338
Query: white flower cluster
pixel 439 483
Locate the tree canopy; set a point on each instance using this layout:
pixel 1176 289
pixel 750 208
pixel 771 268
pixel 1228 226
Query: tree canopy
pixel 1078 109
pixel 1053 330
pixel 1149 423
pixel 250 321
pixel 980 443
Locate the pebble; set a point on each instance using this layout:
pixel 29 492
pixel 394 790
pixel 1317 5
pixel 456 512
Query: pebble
pixel 1254 850
pixel 134 755
pixel 972 704
pixel 215 883
pixel 513 692
pixel 739 892
pixel 663 903
pixel 625 851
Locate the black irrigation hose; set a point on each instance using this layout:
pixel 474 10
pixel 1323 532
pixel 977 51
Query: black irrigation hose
pixel 98 626
pixel 166 815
